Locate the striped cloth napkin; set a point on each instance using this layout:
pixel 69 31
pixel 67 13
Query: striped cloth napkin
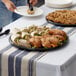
pixel 15 62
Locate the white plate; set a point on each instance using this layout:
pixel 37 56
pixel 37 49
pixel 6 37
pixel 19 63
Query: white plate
pixel 22 10
pixel 59 3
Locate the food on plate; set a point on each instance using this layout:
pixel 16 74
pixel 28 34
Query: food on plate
pixel 62 16
pixel 35 41
pixel 49 41
pixel 25 35
pixel 59 37
pixel 57 32
pixel 30 11
pixel 24 43
pixel 39 37
pixel 15 38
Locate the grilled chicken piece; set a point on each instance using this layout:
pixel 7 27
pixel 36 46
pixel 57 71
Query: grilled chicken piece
pixel 46 43
pixel 35 41
pixel 57 32
pixel 49 41
pixel 61 38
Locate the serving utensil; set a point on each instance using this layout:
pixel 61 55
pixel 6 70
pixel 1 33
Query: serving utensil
pixel 6 32
pixel 30 5
pixel 1 29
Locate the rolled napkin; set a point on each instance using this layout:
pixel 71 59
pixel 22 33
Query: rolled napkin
pixel 15 38
pixel 25 35
pixel 24 43
pixel 34 33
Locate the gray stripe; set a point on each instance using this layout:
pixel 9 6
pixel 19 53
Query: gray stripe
pixel 11 62
pixel 54 27
pixel 71 31
pixel 1 52
pixel 18 63
pixel 4 49
pixel 44 24
pixel 31 63
pixel 61 28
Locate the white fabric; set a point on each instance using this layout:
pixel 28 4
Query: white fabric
pixel 59 63
pixel 56 63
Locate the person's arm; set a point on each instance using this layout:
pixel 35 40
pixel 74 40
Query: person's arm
pixel 33 2
pixel 9 5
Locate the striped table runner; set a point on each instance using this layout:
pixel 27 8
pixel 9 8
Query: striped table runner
pixel 15 62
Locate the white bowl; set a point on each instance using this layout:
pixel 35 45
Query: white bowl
pixel 58 3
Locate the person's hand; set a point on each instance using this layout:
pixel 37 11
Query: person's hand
pixel 33 2
pixel 9 5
